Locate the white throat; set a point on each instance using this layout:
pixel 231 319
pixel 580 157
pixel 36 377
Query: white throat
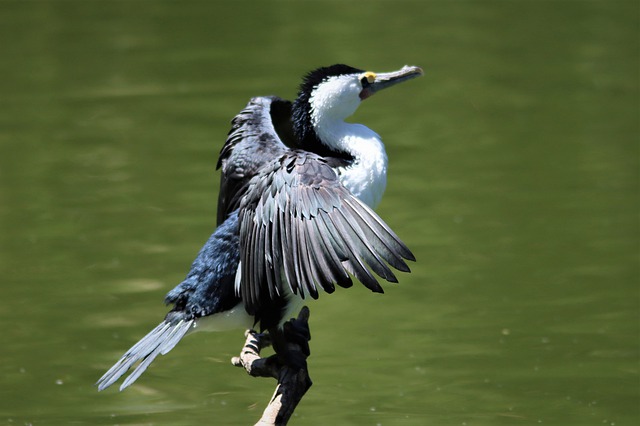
pixel 331 103
pixel 366 177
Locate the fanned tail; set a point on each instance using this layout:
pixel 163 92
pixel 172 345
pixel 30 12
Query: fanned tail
pixel 159 341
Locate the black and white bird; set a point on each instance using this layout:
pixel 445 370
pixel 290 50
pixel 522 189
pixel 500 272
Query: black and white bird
pixel 295 215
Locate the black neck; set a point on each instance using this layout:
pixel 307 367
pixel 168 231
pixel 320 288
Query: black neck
pixel 306 136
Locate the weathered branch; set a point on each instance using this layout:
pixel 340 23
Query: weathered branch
pixel 288 365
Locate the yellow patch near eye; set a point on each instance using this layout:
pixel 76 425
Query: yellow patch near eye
pixel 370 76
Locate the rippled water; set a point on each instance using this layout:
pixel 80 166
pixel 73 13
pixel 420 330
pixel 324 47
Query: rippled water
pixel 513 177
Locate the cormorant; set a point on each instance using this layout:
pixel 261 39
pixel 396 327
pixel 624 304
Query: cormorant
pixel 294 217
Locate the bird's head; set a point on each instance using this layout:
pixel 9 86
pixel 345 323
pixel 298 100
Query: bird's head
pixel 335 92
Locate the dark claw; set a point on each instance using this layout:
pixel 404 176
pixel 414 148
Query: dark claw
pixel 291 342
pixel 297 332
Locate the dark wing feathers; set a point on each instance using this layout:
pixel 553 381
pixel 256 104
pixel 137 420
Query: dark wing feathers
pixel 313 231
pixel 251 142
pixel 385 240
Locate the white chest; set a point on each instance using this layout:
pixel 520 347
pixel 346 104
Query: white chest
pixel 366 177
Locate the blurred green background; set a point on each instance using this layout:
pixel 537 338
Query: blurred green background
pixel 513 178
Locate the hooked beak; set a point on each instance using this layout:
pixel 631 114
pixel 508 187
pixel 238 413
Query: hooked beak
pixel 373 83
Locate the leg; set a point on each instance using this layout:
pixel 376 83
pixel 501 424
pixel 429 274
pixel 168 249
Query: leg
pixel 288 365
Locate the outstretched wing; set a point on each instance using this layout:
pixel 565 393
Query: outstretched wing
pixel 251 143
pixel 301 229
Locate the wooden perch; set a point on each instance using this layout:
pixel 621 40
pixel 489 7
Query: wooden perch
pixel 288 365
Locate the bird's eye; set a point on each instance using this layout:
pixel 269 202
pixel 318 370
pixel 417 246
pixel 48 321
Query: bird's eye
pixel 367 78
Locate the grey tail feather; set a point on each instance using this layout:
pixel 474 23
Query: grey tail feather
pixel 159 341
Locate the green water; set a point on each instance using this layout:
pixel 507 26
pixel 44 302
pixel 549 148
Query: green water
pixel 513 177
